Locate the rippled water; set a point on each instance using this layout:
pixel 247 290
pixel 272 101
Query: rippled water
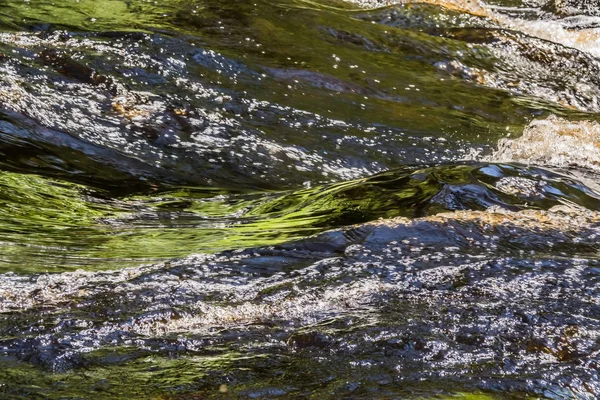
pixel 299 199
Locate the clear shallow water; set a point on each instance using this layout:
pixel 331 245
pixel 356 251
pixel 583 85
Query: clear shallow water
pixel 382 201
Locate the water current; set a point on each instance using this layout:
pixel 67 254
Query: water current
pixel 297 199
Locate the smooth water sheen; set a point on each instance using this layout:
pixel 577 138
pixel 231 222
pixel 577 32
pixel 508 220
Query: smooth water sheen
pixel 325 199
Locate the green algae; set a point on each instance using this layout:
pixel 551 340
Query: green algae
pixel 53 225
pixel 136 374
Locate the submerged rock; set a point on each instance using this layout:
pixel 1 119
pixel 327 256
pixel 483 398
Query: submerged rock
pixel 474 300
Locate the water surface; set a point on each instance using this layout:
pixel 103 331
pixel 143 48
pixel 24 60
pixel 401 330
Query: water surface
pixel 296 199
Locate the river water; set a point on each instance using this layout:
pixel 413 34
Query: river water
pixel 299 199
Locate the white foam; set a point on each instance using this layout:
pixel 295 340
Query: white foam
pixel 586 40
pixel 558 30
pixel 554 142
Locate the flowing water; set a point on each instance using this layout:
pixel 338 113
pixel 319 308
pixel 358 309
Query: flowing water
pixel 299 199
